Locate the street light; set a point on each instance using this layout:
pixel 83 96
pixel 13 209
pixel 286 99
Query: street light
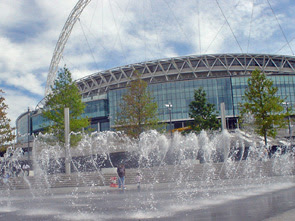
pixel 289 121
pixel 169 106
pixel 29 132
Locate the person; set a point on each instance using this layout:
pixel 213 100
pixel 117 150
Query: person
pixel 138 180
pixel 6 178
pixel 121 175
pixel 26 169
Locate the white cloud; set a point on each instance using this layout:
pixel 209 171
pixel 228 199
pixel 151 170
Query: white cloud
pixel 10 13
pixel 18 103
pixel 29 82
pixel 120 32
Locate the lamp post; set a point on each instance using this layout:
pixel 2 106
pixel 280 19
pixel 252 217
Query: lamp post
pixel 29 113
pixel 67 140
pixel 169 106
pixel 289 122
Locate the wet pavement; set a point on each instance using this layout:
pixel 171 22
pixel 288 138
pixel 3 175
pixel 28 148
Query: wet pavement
pixel 271 200
pixel 275 206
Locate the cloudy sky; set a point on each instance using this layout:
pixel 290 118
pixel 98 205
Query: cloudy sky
pixel 112 33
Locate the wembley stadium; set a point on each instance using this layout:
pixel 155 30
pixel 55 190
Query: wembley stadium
pixel 173 80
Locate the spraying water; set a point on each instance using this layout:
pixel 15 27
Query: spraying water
pixel 188 168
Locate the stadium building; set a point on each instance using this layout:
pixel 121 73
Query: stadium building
pixel 173 81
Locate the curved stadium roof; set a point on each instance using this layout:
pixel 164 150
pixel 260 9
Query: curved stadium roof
pixel 186 68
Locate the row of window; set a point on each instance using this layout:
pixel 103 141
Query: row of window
pixel 98 108
pixel 179 94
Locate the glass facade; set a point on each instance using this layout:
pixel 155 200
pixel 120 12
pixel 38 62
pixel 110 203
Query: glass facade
pixel 284 83
pixel 222 76
pixel 286 86
pixel 239 85
pixel 98 108
pixel 22 126
pixel 180 94
pixel 38 122
pixel 94 109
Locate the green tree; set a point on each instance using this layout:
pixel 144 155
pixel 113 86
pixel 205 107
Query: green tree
pixel 261 102
pixel 6 132
pixel 202 112
pixel 138 111
pixel 65 93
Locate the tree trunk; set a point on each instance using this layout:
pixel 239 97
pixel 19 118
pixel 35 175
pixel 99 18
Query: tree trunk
pixel 265 139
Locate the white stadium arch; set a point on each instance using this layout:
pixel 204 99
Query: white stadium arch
pixel 62 40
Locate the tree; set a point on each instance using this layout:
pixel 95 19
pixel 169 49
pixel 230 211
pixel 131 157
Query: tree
pixel 6 132
pixel 138 111
pixel 202 112
pixel 261 102
pixel 65 93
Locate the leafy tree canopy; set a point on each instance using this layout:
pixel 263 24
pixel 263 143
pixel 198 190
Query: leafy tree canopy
pixel 261 101
pixel 138 111
pixel 65 93
pixel 6 132
pixel 202 112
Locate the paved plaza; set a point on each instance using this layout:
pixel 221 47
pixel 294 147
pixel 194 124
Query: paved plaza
pixel 269 199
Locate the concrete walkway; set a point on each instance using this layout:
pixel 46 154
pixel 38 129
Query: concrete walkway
pixel 286 216
pixel 259 200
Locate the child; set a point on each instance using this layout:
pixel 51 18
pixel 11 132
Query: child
pixel 138 180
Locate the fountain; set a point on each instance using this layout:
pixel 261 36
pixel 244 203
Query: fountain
pixel 182 173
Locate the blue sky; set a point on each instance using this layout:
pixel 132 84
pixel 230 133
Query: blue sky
pixel 112 33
